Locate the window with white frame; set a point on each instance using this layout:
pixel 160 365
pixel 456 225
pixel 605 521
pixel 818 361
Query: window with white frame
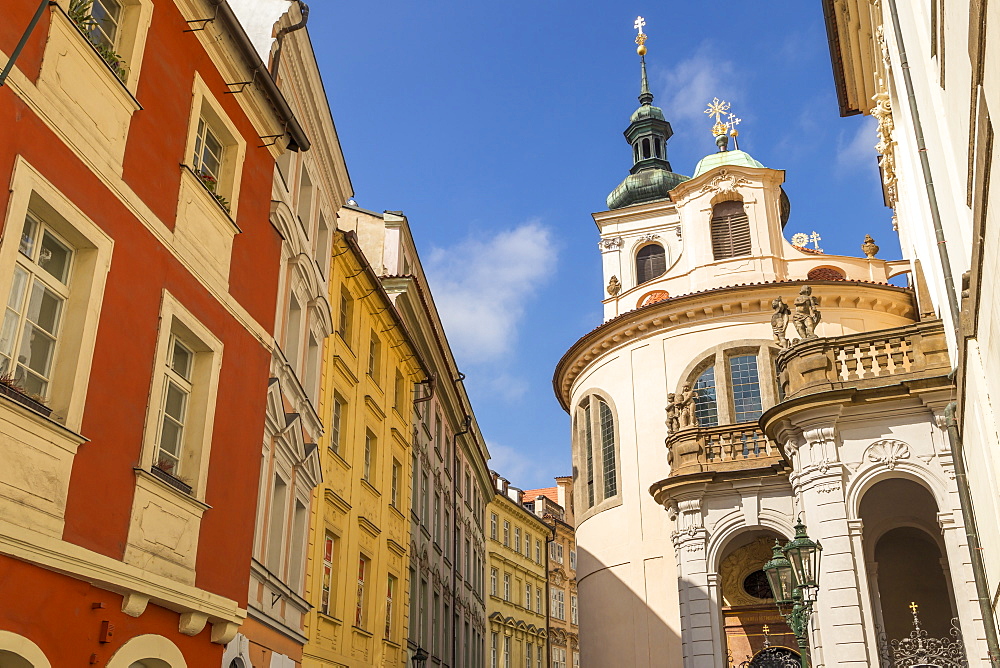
pixel 540 655
pixel 527 544
pixel 517 539
pixel 389 594
pixel 394 488
pixel 344 313
pixel 527 595
pixel 506 586
pixel 506 533
pixel 436 522
pixel 574 609
pixel 572 560
pixel 329 550
pixel 371 444
pixel 538 551
pixel 597 450
pixel 336 422
pixel 538 600
pixel 494 640
pixel 374 358
pixel 558 657
pixel 506 651
pixel 558 605
pixel 529 655
pixel 36 307
pixel 576 659
pixel 493 581
pixel 556 552
pixel 359 601
pixel 276 523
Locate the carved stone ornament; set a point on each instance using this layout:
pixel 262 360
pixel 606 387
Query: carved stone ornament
pixel 779 321
pixel 613 243
pixel 869 247
pixel 886 146
pixel 725 182
pixel 614 286
pixel 806 313
pixel 648 237
pixel 888 452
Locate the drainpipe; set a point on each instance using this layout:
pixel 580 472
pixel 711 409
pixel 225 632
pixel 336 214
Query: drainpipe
pixel 925 166
pixel 280 37
pixel 24 40
pixel 454 533
pixel 972 535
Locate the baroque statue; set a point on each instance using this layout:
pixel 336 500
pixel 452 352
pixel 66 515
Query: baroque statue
pixel 680 410
pixel 779 321
pixel 614 286
pixel 806 315
pixel 673 414
pixel 869 247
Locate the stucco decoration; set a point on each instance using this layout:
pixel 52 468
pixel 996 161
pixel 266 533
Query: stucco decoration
pixel 648 237
pixel 614 286
pixel 779 321
pixel 652 297
pixel 613 243
pixel 888 452
pixel 886 146
pixel 725 183
pixel 806 315
pixel 735 568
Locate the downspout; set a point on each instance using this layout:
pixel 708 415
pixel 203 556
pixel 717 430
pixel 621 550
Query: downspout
pixel 925 166
pixel 24 40
pixel 454 533
pixel 280 37
pixel 972 535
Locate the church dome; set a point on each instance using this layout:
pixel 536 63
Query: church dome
pixel 710 162
pixel 649 185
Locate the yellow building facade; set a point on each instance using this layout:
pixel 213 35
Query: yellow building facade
pixel 517 592
pixel 357 574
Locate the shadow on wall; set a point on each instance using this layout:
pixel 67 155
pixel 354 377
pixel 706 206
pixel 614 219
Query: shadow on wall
pixel 618 628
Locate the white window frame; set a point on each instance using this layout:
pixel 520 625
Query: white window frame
pixel 177 322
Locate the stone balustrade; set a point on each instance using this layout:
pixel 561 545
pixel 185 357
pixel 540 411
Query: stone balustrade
pixel 864 361
pixel 720 448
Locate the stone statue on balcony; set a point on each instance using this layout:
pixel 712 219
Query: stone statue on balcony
pixel 685 405
pixel 779 321
pixel 673 414
pixel 806 315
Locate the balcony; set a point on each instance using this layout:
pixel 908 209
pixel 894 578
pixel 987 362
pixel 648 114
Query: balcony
pixel 725 448
pixel 913 355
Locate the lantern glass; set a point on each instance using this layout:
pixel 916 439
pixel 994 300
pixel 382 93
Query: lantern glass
pixel 780 576
pixel 804 556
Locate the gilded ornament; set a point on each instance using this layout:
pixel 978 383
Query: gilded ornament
pixel 614 286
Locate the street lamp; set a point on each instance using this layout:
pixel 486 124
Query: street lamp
pixel 419 657
pixel 793 573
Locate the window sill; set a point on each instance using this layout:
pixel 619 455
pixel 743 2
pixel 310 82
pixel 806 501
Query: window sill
pixel 329 618
pixel 397 511
pixel 362 632
pixel 370 487
pixel 187 499
pixel 26 401
pixel 213 197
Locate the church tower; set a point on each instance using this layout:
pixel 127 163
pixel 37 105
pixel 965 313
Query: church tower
pixel 739 383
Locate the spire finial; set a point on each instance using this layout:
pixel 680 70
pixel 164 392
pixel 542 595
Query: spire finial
pixel 645 97
pixel 723 129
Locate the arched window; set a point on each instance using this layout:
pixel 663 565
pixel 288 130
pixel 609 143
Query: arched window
pixel 598 452
pixel 706 408
pixel 645 148
pixel 745 387
pixel 656 147
pixel 650 262
pixel 730 230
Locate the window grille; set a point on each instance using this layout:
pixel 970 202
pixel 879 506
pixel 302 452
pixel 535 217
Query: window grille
pixel 608 450
pixel 706 409
pixel 746 388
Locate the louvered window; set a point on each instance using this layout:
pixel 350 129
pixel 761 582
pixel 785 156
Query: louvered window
pixel 650 262
pixel 730 230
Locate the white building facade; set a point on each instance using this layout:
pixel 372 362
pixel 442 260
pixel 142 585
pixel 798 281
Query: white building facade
pixel 828 407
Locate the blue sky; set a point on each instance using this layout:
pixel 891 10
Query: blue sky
pixel 497 128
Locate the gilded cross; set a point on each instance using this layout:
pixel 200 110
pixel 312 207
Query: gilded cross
pixel 640 39
pixel 815 239
pixel 716 108
pixel 913 607
pixel 766 629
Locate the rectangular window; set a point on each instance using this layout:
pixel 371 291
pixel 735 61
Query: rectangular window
pixel 588 441
pixel 540 657
pixel 437 430
pixel 527 544
pixel 400 392
pixel 607 451
pixel 447 531
pixel 517 539
pixel 436 522
pixel 329 546
pixel 374 357
pixel 174 408
pixel 359 603
pixel 527 595
pixel 538 551
pixel 493 526
pixel 276 524
pixel 558 606
pixel 506 652
pixel 415 486
pixel 574 610
pixel 493 581
pixel 435 624
pixel 389 593
pixel 468 558
pixel 394 493
pixel 336 423
pixel 529 655
pixel 538 600
pixel 493 650
pixel 576 660
pixel 344 320
pixel 572 560
pixel 506 533
pixel 35 307
pixel 208 155
pixel 746 388
pixel 425 495
pixel 371 444
pixel 556 552
pixel 506 586
pixel 103 29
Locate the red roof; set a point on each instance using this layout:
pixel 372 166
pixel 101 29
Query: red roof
pixel 552 493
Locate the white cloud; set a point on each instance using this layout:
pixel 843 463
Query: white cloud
pixel 481 287
pixel 692 83
pixel 518 467
pixel 858 151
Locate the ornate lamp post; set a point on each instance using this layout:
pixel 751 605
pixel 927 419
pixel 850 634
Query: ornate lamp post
pixel 793 573
pixel 419 657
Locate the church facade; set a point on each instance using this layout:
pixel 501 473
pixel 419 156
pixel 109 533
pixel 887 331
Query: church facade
pixel 739 385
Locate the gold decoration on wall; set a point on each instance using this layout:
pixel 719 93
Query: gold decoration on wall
pixel 614 286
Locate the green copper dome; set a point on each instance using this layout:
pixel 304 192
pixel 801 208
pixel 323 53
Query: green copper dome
pixel 649 185
pixel 710 162
pixel 647 111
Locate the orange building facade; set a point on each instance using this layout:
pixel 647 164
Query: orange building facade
pixel 140 273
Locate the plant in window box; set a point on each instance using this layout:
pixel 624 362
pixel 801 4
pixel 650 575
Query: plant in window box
pixel 211 183
pixel 81 13
pixel 166 470
pixel 11 388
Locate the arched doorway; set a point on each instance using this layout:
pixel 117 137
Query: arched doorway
pixel 906 559
pixel 750 619
pixel 774 657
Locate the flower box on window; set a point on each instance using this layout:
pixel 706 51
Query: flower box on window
pixel 163 471
pixel 10 390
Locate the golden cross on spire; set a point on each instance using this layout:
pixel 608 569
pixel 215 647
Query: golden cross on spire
pixel 640 39
pixel 913 607
pixel 716 109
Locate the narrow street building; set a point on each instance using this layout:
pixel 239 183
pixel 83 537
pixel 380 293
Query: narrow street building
pixel 929 74
pixel 555 506
pixel 358 571
pixel 451 481
pixel 517 607
pixel 141 279
pixel 307 189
